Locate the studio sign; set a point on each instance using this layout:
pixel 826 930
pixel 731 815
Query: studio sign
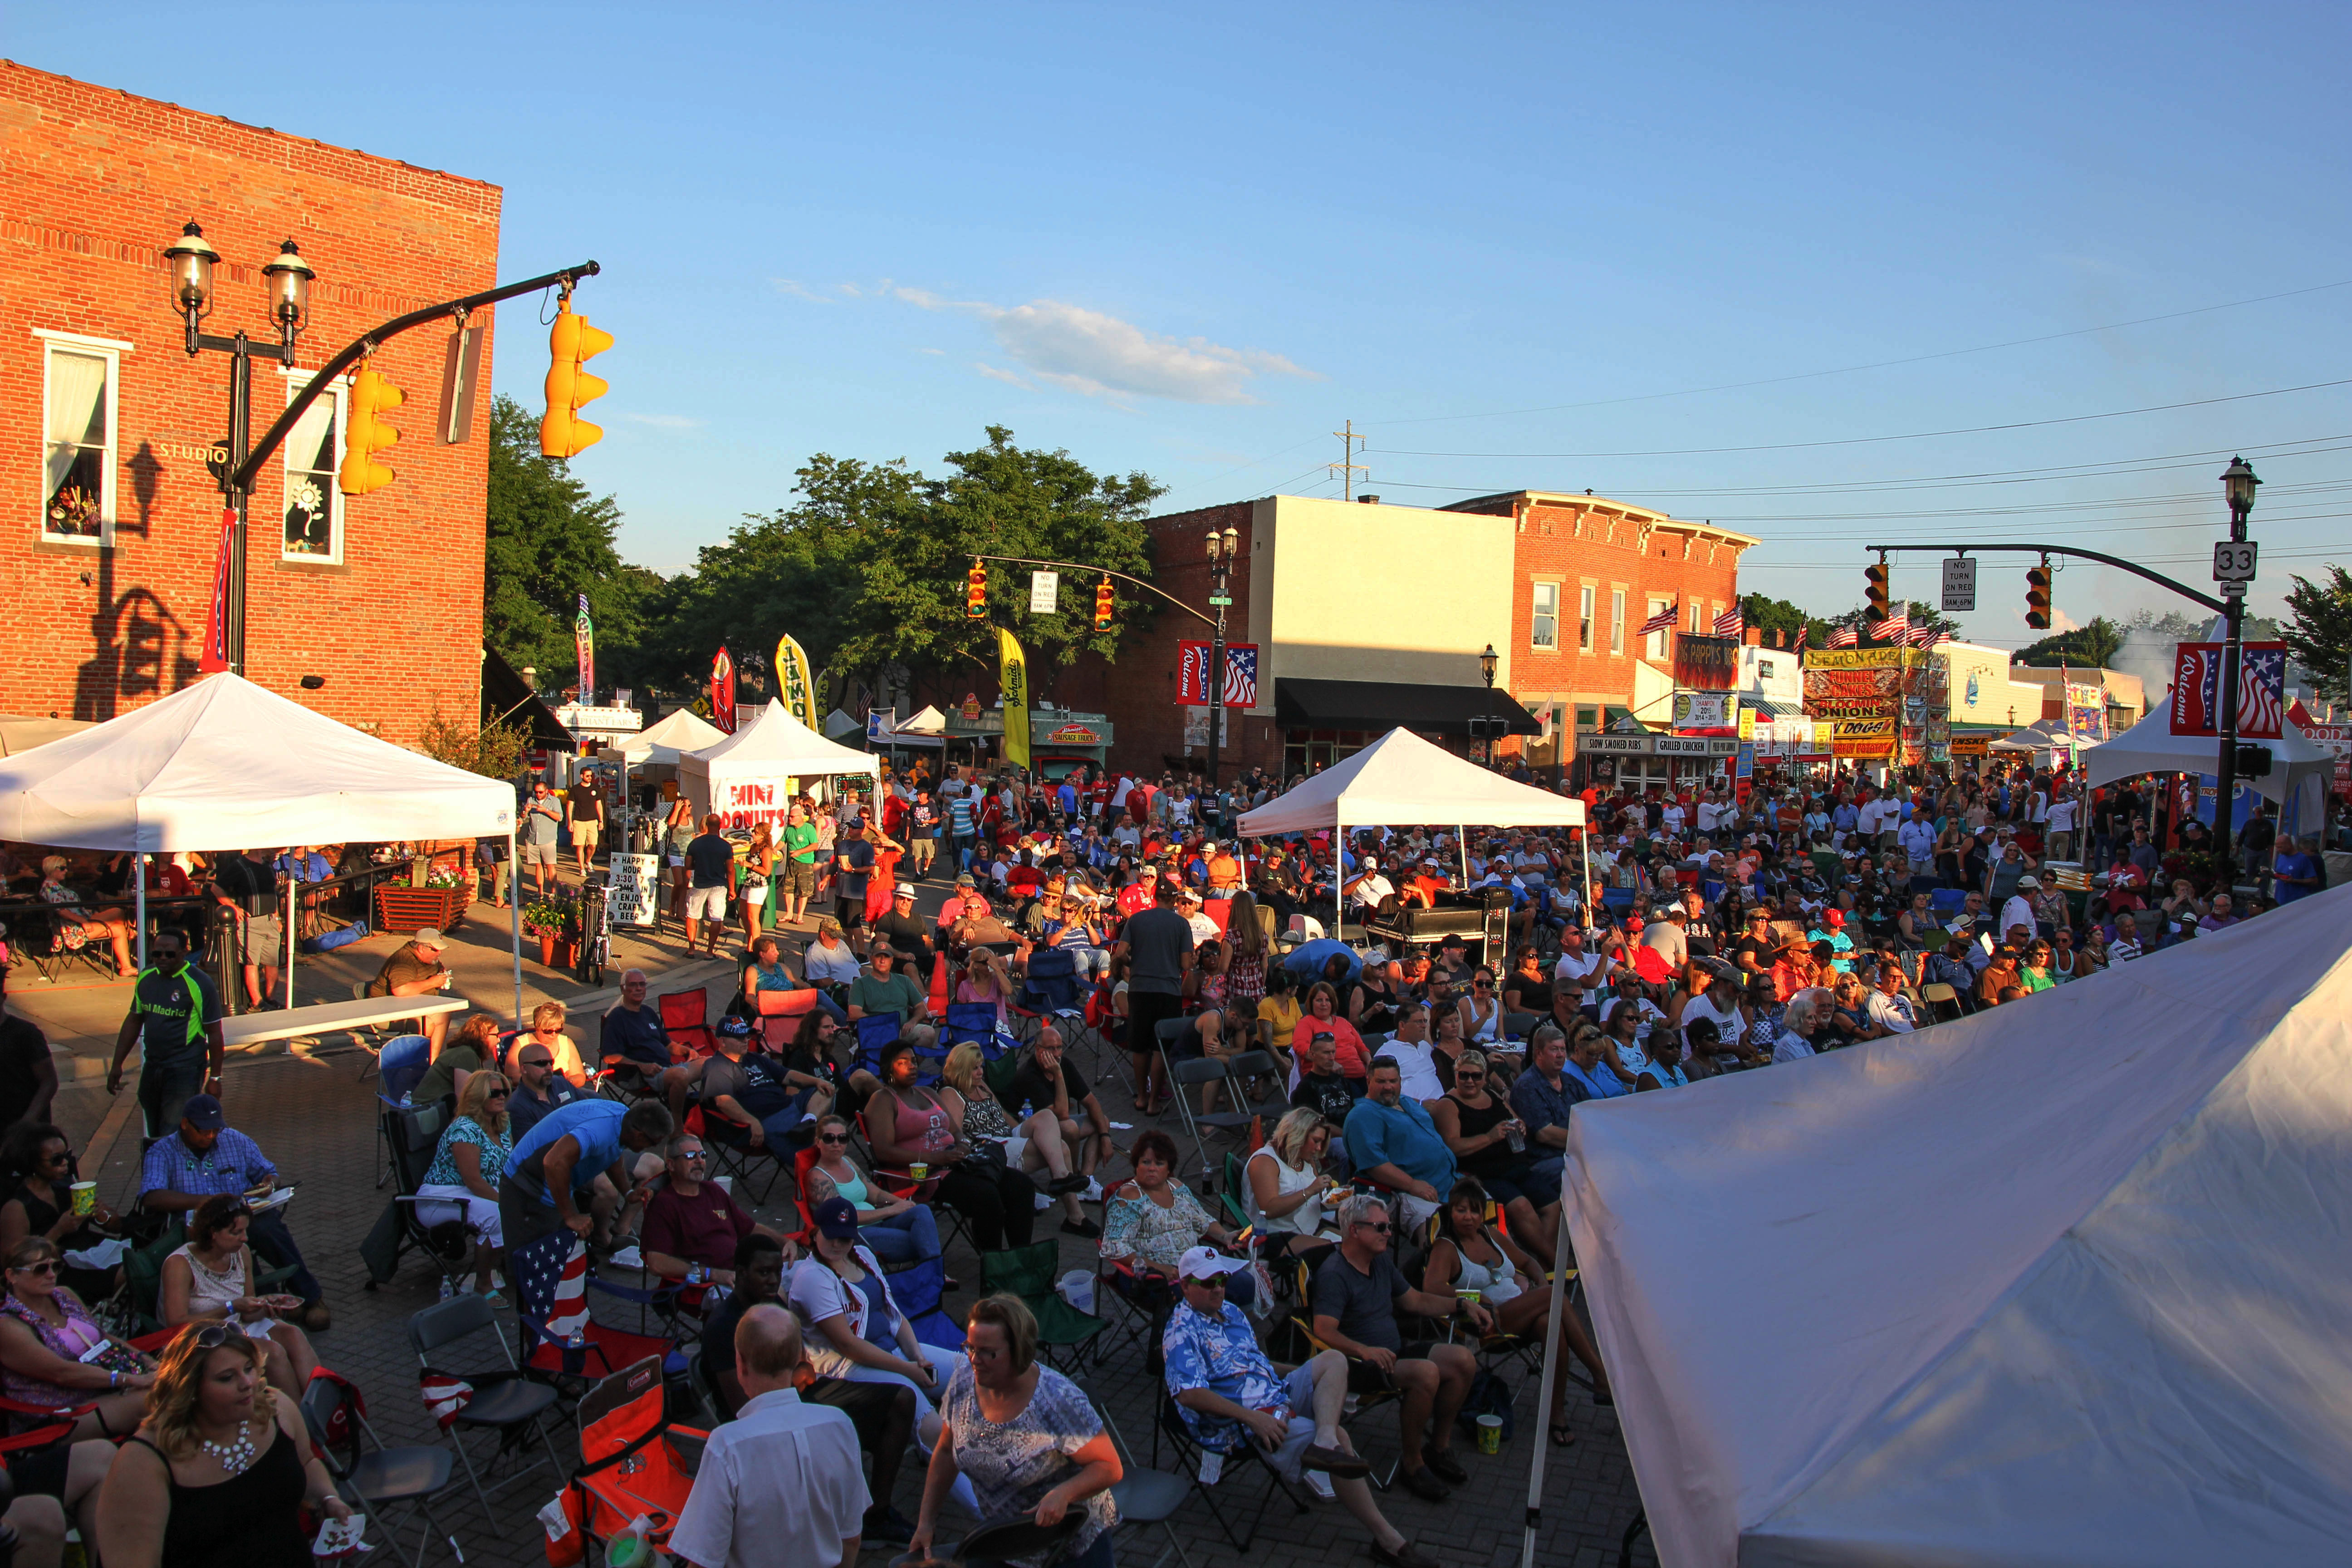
pixel 207 452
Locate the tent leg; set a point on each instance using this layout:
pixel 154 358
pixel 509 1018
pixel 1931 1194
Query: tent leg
pixel 139 876
pixel 287 924
pixel 514 919
pixel 1543 1394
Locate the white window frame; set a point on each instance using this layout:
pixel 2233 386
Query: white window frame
pixel 1537 616
pixel 296 379
pixel 1587 612
pixel 1653 646
pixel 1616 621
pixel 112 350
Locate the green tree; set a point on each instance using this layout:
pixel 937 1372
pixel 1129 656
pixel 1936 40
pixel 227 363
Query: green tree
pixel 1779 617
pixel 2318 631
pixel 2093 646
pixel 549 542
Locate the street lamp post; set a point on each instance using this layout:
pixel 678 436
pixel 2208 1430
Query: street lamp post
pixel 288 276
pixel 1486 663
pixel 2238 482
pixel 1224 547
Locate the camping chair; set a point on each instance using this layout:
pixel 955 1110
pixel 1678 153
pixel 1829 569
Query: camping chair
pixel 898 1183
pixel 1050 989
pixel 372 1479
pixel 633 1462
pixel 1190 1452
pixel 551 1280
pixel 1302 1323
pixel 506 1400
pixel 412 1134
pixel 966 1023
pixel 1066 1336
pixel 732 1150
pixel 684 1016
pixel 1144 1497
pixel 874 1032
pixel 400 1065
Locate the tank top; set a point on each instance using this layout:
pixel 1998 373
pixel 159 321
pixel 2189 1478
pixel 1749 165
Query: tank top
pixel 248 1521
pixel 851 1187
pixel 878 1314
pixel 1486 1027
pixel 1495 1159
pixel 1496 1282
pixel 80 1331
pixel 207 1289
pixel 1302 1220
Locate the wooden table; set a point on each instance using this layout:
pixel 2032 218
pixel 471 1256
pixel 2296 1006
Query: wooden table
pixel 325 1018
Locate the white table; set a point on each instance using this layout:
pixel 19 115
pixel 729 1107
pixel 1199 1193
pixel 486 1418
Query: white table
pixel 325 1018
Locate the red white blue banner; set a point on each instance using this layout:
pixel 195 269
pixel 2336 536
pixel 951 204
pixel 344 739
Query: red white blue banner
pixel 2196 689
pixel 1192 674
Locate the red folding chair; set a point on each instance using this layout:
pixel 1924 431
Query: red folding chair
pixel 633 1462
pixel 685 1016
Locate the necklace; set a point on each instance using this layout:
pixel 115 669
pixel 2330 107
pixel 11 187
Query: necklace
pixel 235 1455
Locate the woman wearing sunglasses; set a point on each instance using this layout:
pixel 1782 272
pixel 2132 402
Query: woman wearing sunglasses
pixel 46 1333
pixel 465 1175
pixel 217 1475
pixel 898 1230
pixel 39 1162
pixel 211 1278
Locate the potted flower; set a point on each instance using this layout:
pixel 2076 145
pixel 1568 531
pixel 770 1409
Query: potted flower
pixel 550 921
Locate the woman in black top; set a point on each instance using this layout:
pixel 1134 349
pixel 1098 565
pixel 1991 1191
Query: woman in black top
pixel 218 1474
pixel 1527 988
pixel 37 1163
pixel 1477 1126
pixel 1372 1006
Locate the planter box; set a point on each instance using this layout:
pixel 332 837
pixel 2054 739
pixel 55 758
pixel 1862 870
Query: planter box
pixel 411 910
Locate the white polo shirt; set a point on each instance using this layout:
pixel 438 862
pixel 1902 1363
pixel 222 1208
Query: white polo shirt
pixel 780 1483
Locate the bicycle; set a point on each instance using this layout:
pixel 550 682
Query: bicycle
pixel 595 928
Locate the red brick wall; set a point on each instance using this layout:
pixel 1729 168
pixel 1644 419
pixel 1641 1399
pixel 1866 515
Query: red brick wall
pixel 1666 563
pixel 94 183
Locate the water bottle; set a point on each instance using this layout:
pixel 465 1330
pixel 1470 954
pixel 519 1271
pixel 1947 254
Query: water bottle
pixel 448 1289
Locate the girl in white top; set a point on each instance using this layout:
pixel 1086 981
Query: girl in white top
pixel 1288 1192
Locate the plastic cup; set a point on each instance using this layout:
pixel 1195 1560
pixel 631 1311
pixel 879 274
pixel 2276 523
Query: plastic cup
pixel 918 1170
pixel 85 1197
pixel 1469 1296
pixel 724 1184
pixel 1490 1434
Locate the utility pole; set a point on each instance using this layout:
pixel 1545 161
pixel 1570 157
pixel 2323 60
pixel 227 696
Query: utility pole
pixel 1346 467
pixel 2238 482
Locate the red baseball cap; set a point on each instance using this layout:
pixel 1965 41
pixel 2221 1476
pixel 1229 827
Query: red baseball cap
pixel 1834 920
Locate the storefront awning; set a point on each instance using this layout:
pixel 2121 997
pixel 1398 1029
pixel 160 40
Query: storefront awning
pixel 1391 704
pixel 507 699
pixel 1771 710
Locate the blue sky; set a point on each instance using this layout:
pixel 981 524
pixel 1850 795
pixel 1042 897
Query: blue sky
pixel 1194 240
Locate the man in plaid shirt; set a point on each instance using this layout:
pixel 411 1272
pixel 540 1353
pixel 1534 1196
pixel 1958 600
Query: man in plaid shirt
pixel 206 1157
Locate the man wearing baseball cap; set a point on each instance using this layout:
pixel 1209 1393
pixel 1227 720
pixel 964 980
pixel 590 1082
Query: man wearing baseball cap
pixel 1227 1393
pixel 414 969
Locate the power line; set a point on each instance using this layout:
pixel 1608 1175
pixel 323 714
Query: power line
pixel 1875 364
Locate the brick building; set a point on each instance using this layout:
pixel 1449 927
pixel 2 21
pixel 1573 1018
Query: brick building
pixel 112 544
pixel 1587 571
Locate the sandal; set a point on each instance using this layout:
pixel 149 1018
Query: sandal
pixel 1561 1436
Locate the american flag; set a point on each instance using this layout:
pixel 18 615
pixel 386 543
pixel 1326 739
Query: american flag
pixel 551 1282
pixel 1928 636
pixel 444 1395
pixel 1731 623
pixel 1844 637
pixel 1894 629
pixel 1664 620
pixel 1804 628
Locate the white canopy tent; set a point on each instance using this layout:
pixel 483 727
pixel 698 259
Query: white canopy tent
pixel 227 764
pixel 1404 779
pixel 744 777
pixel 2055 1286
pixel 673 733
pixel 2300 766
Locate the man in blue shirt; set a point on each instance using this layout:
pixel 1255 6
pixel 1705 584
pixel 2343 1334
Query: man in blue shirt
pixel 559 1160
pixel 538 1089
pixel 1391 1140
pixel 208 1158
pixel 634 1038
pixel 2295 874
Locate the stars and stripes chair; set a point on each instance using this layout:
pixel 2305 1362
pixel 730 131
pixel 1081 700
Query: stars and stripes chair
pixel 559 1339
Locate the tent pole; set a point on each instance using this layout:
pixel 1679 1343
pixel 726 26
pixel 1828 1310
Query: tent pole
pixel 1461 844
pixel 1560 1252
pixel 288 922
pixel 140 872
pixel 514 918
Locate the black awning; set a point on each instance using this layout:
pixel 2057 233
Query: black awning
pixel 1392 704
pixel 506 699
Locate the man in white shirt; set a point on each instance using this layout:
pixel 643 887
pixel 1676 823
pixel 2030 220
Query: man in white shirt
pixel 1409 1049
pixel 1916 838
pixel 1370 887
pixel 1710 814
pixel 1587 969
pixel 1890 1010
pixel 2016 909
pixel 2126 947
pixel 782 1482
pixel 2058 835
pixel 828 960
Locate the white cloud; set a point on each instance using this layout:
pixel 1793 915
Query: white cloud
pixel 930 350
pixel 1101 356
pixel 996 372
pixel 798 291
pixel 663 421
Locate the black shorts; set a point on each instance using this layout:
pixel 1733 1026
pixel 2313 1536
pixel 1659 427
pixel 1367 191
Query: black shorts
pixel 1363 1377
pixel 1145 1012
pixel 850 912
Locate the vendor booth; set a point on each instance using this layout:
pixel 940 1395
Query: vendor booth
pixel 2058 1284
pixel 749 776
pixel 2301 769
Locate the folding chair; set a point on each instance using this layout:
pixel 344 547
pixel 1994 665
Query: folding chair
pixel 412 1134
pixel 373 1479
pixel 1251 1068
pixel 967 1023
pixel 732 1150
pixel 401 1064
pixel 685 1015
pixel 874 1032
pixel 1066 1336
pixel 1188 1449
pixel 551 1282
pixel 1050 989
pixel 505 1401
pixel 1144 1497
pixel 1302 1323
pixel 1938 996
pixel 633 1462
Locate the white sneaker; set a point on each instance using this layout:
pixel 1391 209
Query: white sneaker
pixel 1044 1202
pixel 627 1258
pixel 1321 1485
pixel 1093 1193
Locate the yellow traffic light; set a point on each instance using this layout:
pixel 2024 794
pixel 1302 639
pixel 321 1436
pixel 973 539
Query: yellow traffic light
pixel 570 388
pixel 2037 598
pixel 1102 605
pixel 366 434
pixel 975 593
pixel 1877 577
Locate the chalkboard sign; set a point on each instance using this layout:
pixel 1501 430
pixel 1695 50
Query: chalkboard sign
pixel 633 897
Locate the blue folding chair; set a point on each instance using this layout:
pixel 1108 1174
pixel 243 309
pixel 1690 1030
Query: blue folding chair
pixel 874 1031
pixel 971 1022
pixel 401 1066
pixel 918 1289
pixel 1947 901
pixel 1051 989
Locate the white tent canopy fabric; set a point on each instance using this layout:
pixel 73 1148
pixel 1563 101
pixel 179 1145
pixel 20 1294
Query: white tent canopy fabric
pixel 227 764
pixel 1402 779
pixel 673 733
pixel 2062 1285
pixel 2301 768
pixel 743 776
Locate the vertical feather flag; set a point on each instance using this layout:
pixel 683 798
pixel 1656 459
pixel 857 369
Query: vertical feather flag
pixel 584 638
pixel 1012 681
pixel 799 689
pixel 722 690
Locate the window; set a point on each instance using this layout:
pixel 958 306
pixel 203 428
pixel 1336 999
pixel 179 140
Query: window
pixel 1588 717
pixel 1543 624
pixel 1654 645
pixel 314 506
pixel 77 424
pixel 1763 669
pixel 1584 618
pixel 1616 620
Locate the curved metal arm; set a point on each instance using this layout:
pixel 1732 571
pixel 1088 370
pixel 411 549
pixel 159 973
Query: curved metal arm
pixel 1107 572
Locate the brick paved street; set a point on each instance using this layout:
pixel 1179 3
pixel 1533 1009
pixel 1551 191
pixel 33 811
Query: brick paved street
pixel 316 1119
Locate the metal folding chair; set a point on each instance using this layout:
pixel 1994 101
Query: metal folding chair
pixel 373 1478
pixel 504 1400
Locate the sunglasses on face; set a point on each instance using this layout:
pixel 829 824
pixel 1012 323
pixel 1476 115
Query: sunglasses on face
pixel 49 1266
pixel 1218 1283
pixel 1381 1230
pixel 833 1137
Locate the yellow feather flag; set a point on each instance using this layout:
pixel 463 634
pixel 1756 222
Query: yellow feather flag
pixel 1012 679
pixel 800 691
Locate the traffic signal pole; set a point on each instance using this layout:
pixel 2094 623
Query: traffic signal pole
pixel 2136 570
pixel 236 476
